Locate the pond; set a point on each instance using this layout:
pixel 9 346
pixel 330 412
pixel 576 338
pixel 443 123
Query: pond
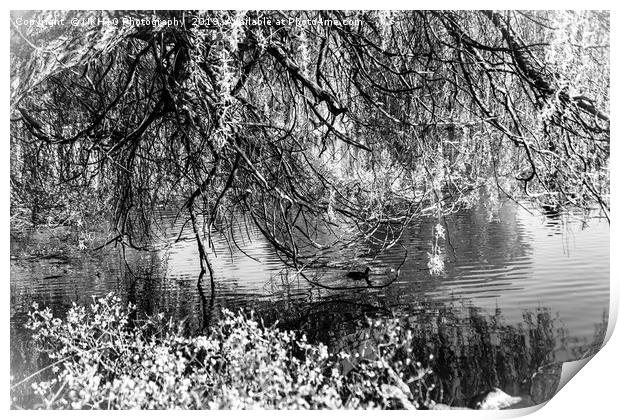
pixel 521 292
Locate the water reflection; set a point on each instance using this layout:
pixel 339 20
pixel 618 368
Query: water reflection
pixel 520 293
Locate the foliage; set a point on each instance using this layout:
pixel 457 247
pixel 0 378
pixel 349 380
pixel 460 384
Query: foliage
pixel 104 360
pixel 367 118
pixel 435 259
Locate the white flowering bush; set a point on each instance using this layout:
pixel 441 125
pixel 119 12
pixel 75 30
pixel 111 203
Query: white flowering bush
pixel 102 360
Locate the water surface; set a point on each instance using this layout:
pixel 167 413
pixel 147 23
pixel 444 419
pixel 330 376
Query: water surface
pixel 521 292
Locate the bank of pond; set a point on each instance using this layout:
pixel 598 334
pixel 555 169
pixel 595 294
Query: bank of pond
pixel 104 357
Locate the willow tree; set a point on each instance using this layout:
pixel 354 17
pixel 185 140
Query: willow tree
pixel 303 123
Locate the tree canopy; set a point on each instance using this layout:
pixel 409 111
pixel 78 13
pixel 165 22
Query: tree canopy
pixel 302 122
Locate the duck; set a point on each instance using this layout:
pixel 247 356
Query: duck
pixel 358 275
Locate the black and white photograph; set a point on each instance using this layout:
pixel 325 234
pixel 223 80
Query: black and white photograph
pixel 306 209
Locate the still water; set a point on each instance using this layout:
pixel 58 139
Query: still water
pixel 521 292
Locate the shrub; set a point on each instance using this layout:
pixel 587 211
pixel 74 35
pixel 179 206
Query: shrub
pixel 102 360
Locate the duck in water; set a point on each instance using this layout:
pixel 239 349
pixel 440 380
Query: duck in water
pixel 359 275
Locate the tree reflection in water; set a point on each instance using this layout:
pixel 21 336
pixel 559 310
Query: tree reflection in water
pixel 468 351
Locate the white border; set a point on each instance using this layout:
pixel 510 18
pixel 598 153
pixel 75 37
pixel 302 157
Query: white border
pixel 593 394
